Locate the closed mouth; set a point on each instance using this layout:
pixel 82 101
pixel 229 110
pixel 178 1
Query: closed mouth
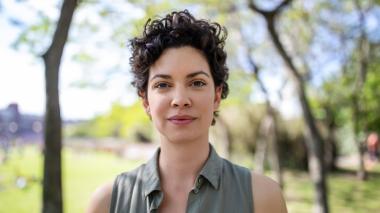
pixel 181 119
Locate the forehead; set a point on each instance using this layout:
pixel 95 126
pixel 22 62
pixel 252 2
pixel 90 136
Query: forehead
pixel 180 61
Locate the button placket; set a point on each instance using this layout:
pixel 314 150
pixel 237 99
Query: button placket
pixel 198 185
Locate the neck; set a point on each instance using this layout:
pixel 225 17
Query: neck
pixel 182 161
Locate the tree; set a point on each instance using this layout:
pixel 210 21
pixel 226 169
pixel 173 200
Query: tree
pixel 52 177
pixel 328 108
pixel 268 128
pixel 357 107
pixel 227 138
pixel 314 141
pixel 347 91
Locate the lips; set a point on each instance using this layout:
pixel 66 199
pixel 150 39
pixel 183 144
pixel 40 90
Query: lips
pixel 181 119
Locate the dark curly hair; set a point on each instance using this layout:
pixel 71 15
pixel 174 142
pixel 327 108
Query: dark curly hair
pixel 179 29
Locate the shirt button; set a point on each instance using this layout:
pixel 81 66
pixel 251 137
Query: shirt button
pixel 199 182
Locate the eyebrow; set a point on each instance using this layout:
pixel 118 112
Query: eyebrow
pixel 191 75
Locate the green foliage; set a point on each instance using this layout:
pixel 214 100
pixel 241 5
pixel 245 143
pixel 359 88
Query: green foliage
pixel 128 122
pixel 83 57
pixel 151 11
pixel 332 100
pixel 244 132
pixel 36 37
pixel 299 26
pixel 371 97
pixel 368 95
pixel 240 86
pixel 292 150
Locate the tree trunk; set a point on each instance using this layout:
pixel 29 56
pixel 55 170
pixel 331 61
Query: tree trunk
pixel 361 172
pixel 227 138
pixel 268 128
pixel 314 141
pixel 360 81
pixel 330 146
pixel 267 146
pixel 273 149
pixel 261 147
pixel 52 177
pixel 330 151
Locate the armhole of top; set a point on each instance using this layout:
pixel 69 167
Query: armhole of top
pixel 114 194
pixel 251 199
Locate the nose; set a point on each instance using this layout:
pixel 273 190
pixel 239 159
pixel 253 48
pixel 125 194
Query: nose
pixel 181 99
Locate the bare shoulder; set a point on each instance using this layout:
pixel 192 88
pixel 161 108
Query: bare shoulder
pixel 267 195
pixel 100 200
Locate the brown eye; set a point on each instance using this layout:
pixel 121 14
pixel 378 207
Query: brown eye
pixel 198 84
pixel 161 85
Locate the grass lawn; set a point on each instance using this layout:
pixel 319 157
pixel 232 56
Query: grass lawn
pixel 84 171
pixel 346 193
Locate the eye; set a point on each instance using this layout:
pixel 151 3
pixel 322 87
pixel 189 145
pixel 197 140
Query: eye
pixel 161 85
pixel 198 83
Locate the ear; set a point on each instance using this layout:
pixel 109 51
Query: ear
pixel 145 101
pixel 218 97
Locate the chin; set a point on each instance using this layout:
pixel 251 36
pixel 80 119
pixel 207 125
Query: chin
pixel 181 137
pixel 178 139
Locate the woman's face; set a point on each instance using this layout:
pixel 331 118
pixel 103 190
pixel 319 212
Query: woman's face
pixel 181 95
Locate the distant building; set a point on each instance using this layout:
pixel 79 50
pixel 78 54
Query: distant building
pixel 14 125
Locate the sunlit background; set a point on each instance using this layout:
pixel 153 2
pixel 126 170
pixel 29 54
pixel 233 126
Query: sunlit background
pixel 333 45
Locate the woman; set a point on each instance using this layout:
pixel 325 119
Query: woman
pixel 180 72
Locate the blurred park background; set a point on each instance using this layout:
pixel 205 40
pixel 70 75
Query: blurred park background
pixel 303 106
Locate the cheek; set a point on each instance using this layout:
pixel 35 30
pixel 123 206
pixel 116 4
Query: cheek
pixel 158 105
pixel 206 101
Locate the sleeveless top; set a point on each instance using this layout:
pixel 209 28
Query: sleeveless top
pixel 221 186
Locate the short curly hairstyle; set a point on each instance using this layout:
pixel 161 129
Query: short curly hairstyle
pixel 179 29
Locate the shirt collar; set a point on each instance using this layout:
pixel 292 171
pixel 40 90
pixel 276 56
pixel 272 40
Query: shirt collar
pixel 151 176
pixel 212 171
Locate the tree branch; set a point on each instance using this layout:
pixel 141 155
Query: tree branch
pixel 269 13
pixel 282 5
pixel 254 7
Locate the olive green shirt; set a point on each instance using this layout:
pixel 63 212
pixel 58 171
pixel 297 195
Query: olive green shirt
pixel 221 186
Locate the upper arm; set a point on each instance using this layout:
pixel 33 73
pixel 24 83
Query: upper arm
pixel 100 200
pixel 267 195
